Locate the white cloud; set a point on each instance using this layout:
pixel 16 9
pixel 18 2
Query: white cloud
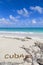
pixel 5 21
pixel 11 20
pixel 23 12
pixel 15 19
pixel 37 8
pixel 34 21
pixel 20 12
pixel 26 11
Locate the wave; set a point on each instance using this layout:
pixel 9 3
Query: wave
pixel 16 32
pixel 7 34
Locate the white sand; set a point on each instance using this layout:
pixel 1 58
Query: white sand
pixel 12 44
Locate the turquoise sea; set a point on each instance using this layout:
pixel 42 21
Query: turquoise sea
pixel 22 29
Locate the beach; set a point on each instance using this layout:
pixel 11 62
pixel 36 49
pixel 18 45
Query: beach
pixel 14 47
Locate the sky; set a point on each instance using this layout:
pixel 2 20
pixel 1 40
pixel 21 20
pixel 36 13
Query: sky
pixel 21 13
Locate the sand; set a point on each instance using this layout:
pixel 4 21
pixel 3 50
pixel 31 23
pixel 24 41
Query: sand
pixel 12 44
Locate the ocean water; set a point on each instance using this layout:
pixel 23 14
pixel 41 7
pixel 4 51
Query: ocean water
pixel 22 32
pixel 39 30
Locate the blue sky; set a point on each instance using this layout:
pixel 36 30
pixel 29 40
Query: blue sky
pixel 21 13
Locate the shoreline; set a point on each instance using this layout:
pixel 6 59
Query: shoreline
pixel 21 34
